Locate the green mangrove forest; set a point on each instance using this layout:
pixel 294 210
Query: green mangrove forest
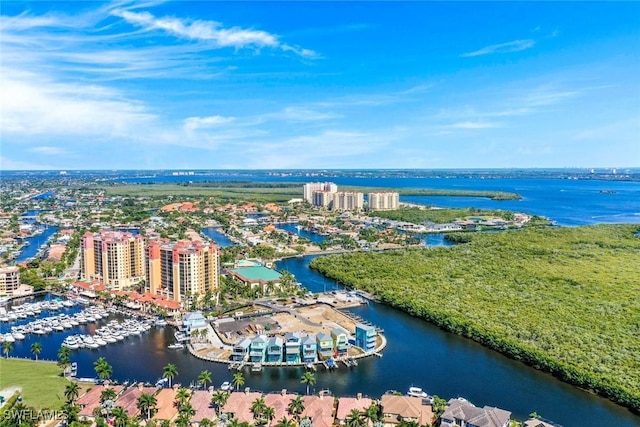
pixel 563 300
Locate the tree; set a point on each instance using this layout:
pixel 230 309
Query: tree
pixel 170 371
pixel 120 418
pixel 238 380
pixel 309 379
pixel 204 378
pixel 296 407
pixel 182 396
pixel 372 413
pixel 355 419
pixel 219 399
pixel 107 394
pixel 257 407
pixel 70 412
pixel 269 413
pixel 64 358
pixel 36 349
pixel 147 403
pixel 408 423
pixel 306 422
pixel 71 392
pixel 284 422
pixel 6 348
pixel 438 405
pixel 102 368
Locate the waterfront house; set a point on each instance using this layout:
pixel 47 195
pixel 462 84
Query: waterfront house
pixel 309 349
pixel 238 406
pixel 340 341
pixel 167 410
pixel 91 400
pixel 280 402
pixel 348 404
pixel 324 345
pixel 129 399
pixel 292 342
pixel 194 320
pixel 274 349
pixel 201 403
pixel 462 413
pixel 396 409
pixel 319 409
pixel 366 336
pixel 241 349
pixel 258 349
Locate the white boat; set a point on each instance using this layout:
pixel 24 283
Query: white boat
pixel 417 392
pixel 176 346
pixel 9 338
pixel 100 341
pixel 18 335
pixel 161 322
pixel 226 386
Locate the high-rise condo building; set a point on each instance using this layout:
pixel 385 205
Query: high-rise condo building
pixel 9 280
pixel 183 269
pixel 310 187
pixel 383 200
pixel 347 201
pixel 323 199
pixel 115 258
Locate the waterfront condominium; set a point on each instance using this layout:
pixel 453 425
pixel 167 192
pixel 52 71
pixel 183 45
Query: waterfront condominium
pixel 115 258
pixel 9 280
pixel 347 201
pixel 309 188
pixel 383 200
pixel 183 269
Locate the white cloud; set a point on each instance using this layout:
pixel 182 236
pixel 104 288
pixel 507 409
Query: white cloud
pixel 475 125
pixel 509 47
pixel 48 150
pixel 210 31
pixel 302 114
pixel 195 123
pixel 35 105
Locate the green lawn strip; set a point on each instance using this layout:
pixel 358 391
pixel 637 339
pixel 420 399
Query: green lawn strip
pixel 564 300
pixel 41 383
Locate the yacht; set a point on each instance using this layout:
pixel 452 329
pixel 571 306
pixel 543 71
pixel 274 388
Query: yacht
pixel 226 386
pixel 176 346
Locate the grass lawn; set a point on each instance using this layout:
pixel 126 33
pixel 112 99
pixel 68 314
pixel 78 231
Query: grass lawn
pixel 41 383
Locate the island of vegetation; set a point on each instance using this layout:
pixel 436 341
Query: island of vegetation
pixel 563 300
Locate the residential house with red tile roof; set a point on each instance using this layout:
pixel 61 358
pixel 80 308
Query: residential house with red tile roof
pixel 348 404
pixel 319 409
pixel 408 408
pixel 129 399
pixel 91 399
pixel 165 404
pixel 238 405
pixel 201 403
pixel 280 402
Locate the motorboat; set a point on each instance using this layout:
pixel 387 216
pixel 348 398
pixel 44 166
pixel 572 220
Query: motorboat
pixel 176 346
pixel 226 386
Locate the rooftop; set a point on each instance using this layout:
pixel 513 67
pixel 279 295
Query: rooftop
pixel 257 273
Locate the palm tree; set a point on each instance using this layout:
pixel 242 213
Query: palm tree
pixel 219 399
pixel 70 412
pixel 64 358
pixel 238 380
pixel 234 423
pixel 71 392
pixel 170 372
pixel 408 423
pixel 354 419
pixel 296 407
pixel 257 407
pixel 372 413
pixel 182 396
pixel 147 403
pixel 269 413
pixel 306 422
pixel 36 349
pixel 284 422
pixel 309 379
pixel 204 378
pixel 186 412
pixel 102 368
pixel 107 394
pixel 6 348
pixel 120 418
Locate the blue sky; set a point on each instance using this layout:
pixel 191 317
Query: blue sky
pixel 215 85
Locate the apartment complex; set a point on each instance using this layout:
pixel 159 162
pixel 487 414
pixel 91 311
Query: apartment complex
pixel 309 188
pixel 383 200
pixel 9 280
pixel 182 269
pixel 347 201
pixel 115 258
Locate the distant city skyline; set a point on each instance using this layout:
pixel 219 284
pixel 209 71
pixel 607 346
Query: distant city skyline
pixel 319 85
